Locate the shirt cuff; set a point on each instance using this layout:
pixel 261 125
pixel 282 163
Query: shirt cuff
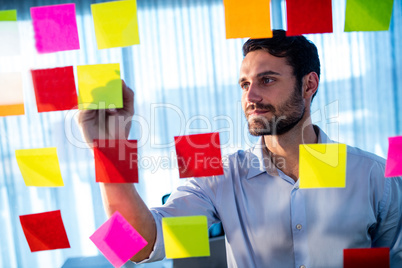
pixel 158 252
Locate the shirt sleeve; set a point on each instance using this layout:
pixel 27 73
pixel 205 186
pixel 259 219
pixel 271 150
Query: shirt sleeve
pixel 196 197
pixel 388 232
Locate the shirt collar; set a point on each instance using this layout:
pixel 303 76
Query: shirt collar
pixel 261 162
pixel 256 161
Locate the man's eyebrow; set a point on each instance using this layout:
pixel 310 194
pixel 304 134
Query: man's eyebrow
pixel 268 73
pixel 260 75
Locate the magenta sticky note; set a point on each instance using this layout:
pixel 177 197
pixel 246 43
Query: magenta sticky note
pixel 55 28
pixel 393 166
pixel 118 240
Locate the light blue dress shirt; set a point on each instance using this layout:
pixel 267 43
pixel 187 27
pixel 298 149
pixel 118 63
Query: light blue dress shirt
pixel 270 222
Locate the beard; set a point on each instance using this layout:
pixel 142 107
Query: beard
pixel 284 118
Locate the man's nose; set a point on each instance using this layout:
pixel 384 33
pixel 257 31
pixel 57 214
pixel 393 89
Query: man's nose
pixel 253 94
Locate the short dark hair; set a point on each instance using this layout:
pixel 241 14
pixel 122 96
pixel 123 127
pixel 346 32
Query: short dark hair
pixel 299 52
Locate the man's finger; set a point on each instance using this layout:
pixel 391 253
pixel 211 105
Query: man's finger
pixel 128 98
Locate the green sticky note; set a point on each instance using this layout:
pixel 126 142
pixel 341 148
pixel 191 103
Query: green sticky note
pixel 368 15
pixel 8 15
pixel 40 167
pixel 116 24
pixel 322 165
pixel 99 86
pixel 185 237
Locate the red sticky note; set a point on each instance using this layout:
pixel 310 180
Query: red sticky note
pixel 118 240
pixel 393 165
pixel 199 155
pixel 308 16
pixel 55 28
pixel 366 257
pixel 44 231
pixel 55 89
pixel 116 161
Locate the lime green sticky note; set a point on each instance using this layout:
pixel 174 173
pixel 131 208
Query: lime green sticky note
pixel 8 15
pixel 368 15
pixel 185 236
pixel 116 24
pixel 322 165
pixel 40 167
pixel 99 86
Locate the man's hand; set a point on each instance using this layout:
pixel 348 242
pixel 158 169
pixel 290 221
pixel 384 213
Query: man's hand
pixel 122 197
pixel 108 124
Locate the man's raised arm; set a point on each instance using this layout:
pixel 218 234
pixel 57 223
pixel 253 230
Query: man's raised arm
pixel 122 197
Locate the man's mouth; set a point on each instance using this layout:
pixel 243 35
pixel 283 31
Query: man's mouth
pixel 257 112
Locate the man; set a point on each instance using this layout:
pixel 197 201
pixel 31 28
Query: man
pixel 268 220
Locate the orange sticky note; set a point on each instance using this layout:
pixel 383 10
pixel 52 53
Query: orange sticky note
pixel 11 95
pixel 244 18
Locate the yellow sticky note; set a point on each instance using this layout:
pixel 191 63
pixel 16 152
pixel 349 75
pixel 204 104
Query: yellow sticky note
pixel 322 165
pixel 245 18
pixel 11 94
pixel 185 237
pixel 116 24
pixel 99 86
pixel 40 167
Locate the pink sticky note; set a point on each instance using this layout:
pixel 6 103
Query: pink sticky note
pixel 393 166
pixel 118 240
pixel 55 28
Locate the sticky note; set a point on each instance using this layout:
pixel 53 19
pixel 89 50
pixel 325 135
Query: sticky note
pixel 40 167
pixel 118 240
pixel 185 236
pixel 244 18
pixel 368 15
pixel 308 17
pixel 393 165
pixel 99 86
pixel 116 161
pixel 44 231
pixel 55 28
pixel 322 165
pixel 366 257
pixel 199 155
pixel 9 33
pixel 8 15
pixel 116 24
pixel 55 89
pixel 11 94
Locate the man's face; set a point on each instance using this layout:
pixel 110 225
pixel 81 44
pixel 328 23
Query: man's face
pixel 271 100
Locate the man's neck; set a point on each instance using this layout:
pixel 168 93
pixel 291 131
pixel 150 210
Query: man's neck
pixel 284 149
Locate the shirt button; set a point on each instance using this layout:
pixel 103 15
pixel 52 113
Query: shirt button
pixel 302 266
pixel 298 227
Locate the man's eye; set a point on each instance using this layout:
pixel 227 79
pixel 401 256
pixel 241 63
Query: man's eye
pixel 245 86
pixel 267 80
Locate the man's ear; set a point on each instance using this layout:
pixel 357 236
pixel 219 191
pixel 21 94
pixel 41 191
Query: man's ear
pixel 310 84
